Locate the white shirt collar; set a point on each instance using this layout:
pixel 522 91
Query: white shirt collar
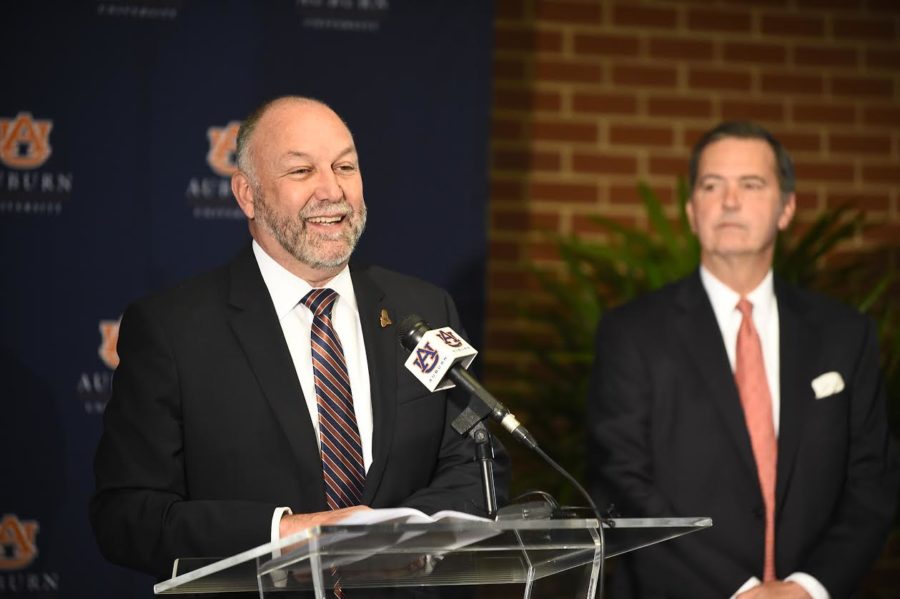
pixel 724 299
pixel 287 289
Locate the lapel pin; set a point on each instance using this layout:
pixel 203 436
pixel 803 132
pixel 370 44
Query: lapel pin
pixel 385 319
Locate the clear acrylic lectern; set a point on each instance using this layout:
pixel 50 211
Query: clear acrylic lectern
pixel 537 557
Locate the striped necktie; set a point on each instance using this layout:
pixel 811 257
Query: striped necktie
pixel 756 399
pixel 341 448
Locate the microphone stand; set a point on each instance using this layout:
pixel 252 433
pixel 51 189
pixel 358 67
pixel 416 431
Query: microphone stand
pixel 471 423
pixel 484 455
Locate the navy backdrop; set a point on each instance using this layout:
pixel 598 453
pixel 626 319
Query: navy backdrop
pixel 117 124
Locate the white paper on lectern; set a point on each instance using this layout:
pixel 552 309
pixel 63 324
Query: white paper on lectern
pixel 406 515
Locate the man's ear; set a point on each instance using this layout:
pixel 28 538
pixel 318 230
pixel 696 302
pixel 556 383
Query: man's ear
pixel 787 212
pixel 689 210
pixel 243 193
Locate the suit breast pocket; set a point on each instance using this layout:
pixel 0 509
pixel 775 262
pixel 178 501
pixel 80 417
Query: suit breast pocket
pixel 409 388
pixel 833 403
pixel 419 428
pixel 407 393
pixel 826 430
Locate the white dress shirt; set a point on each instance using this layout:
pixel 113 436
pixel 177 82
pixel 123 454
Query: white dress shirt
pixel 724 302
pixel 287 290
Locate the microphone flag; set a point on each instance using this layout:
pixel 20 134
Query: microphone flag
pixel 435 354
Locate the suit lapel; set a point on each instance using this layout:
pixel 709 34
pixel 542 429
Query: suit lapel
pixel 381 355
pixel 796 342
pixel 256 326
pixel 700 336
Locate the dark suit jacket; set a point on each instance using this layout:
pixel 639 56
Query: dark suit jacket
pixel 667 438
pixel 207 431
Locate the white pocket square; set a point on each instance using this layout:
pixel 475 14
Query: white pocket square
pixel 828 384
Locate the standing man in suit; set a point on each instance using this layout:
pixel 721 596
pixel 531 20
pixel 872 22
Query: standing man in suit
pixel 734 395
pixel 270 395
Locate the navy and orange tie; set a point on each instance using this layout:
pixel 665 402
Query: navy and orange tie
pixel 341 447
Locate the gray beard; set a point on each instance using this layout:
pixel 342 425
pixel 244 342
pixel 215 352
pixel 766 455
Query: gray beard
pixel 312 249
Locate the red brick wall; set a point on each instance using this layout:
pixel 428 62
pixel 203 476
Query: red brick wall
pixel 590 97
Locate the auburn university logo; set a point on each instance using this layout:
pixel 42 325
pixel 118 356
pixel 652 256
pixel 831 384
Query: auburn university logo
pixel 449 338
pixel 109 337
pixel 426 358
pixel 25 141
pixel 17 541
pixel 222 144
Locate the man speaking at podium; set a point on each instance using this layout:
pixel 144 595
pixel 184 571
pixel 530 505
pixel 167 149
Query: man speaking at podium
pixel 270 395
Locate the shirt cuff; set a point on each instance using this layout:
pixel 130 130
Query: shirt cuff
pixel 752 582
pixel 809 584
pixel 276 526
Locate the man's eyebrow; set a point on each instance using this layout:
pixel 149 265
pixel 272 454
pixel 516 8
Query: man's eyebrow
pixel 348 150
pixel 304 155
pixel 295 154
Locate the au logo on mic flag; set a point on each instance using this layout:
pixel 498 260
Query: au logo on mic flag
pixel 449 337
pixel 426 358
pixel 435 354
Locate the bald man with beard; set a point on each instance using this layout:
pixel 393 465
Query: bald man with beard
pixel 211 441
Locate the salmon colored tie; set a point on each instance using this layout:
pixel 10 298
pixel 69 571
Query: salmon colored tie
pixel 756 399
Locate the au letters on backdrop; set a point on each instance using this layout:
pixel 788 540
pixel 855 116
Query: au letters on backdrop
pixel 117 127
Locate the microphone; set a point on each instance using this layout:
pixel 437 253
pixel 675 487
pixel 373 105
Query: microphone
pixel 441 353
pixel 425 348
